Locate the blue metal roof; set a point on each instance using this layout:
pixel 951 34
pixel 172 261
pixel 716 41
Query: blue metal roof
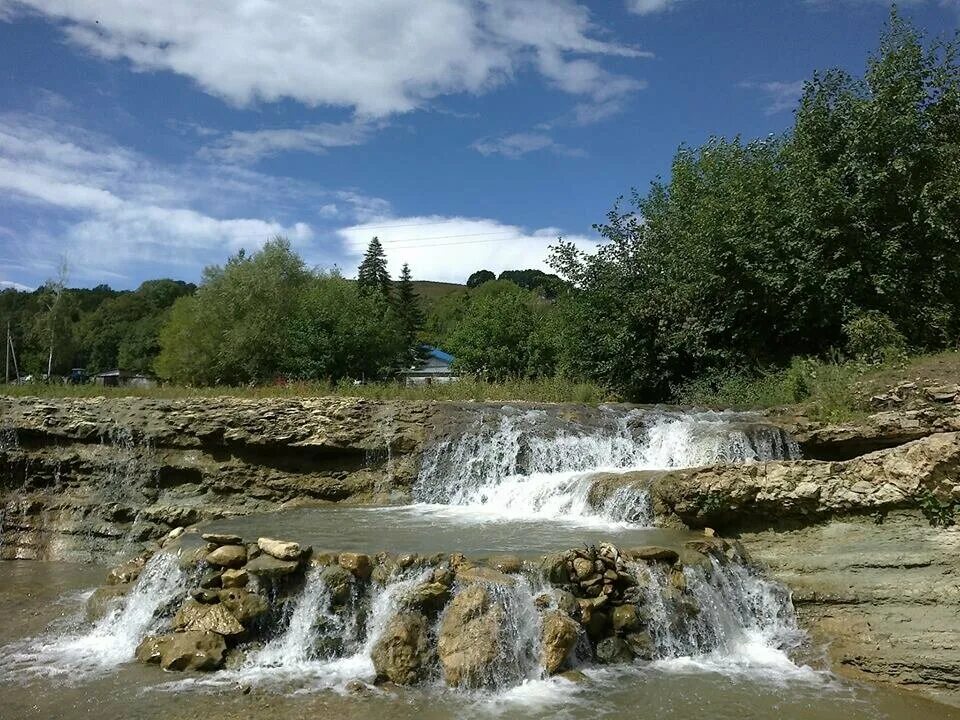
pixel 438 354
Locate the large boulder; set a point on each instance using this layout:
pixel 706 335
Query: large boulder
pixel 244 606
pixel 280 549
pixel 613 650
pixel 358 564
pixel 268 567
pixel 469 642
pixel 339 582
pixel 184 650
pixel 402 653
pixel 467 573
pixel 104 599
pixel 558 637
pixel 428 598
pixel 197 617
pixel 228 556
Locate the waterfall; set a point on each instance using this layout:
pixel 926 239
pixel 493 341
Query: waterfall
pixel 731 617
pixel 535 465
pixel 113 639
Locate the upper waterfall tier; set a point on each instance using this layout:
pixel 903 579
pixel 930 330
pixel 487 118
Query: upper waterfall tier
pixel 531 463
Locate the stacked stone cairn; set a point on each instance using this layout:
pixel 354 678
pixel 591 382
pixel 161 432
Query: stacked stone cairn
pixel 450 621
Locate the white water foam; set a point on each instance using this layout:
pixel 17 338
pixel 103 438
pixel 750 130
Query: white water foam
pixel 524 467
pixel 746 624
pixel 111 641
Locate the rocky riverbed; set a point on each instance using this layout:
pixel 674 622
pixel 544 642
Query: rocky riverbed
pixel 857 519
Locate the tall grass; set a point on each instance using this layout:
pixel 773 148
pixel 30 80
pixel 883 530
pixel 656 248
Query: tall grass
pixel 466 389
pixel 823 390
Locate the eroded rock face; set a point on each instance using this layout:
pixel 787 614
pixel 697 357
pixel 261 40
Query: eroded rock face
pixel 199 617
pixel 558 637
pixel 469 640
pixel 191 650
pixel 403 652
pixel 786 491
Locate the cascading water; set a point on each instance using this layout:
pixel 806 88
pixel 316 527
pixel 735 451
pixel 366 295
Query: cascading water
pixel 113 639
pixel 733 618
pixel 527 465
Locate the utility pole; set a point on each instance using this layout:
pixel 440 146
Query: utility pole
pixel 6 367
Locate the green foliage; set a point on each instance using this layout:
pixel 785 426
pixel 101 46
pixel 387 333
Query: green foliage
pixel 479 278
pixel 758 251
pixel 939 513
pixel 407 307
pixel 872 337
pixel 503 333
pixel 537 281
pixel 372 275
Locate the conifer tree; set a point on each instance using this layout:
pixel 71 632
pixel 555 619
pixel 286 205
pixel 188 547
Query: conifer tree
pixel 408 306
pixel 372 274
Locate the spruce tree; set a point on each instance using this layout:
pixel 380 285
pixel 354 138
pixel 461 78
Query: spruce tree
pixel 372 274
pixel 408 306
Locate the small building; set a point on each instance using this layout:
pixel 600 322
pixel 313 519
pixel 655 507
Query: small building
pixel 124 378
pixel 436 366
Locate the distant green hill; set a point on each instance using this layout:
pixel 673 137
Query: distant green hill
pixel 430 291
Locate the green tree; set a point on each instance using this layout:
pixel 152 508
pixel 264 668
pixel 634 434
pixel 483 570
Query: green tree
pixel 407 305
pixel 479 278
pixel 497 335
pixel 236 327
pixel 372 274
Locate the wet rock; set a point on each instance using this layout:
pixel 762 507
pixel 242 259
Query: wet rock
pixel 566 602
pixel 205 595
pixel 558 637
pixel 104 599
pixel 279 549
pixel 228 556
pixel 641 645
pixel 443 575
pixel 234 578
pixel 222 538
pixel 197 617
pixel 469 639
pixel 357 564
pixel 597 624
pixel 428 598
pixel 192 651
pixel 267 566
pixel 554 567
pixel 128 572
pixel 624 619
pixel 212 580
pixel 480 573
pixel 149 650
pixel 244 606
pixel 339 581
pixel 652 553
pixel 402 653
pixel 613 650
pixel 505 563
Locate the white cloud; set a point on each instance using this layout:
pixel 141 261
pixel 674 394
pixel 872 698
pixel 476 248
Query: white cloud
pixel 5 284
pixel 449 249
pixel 114 207
pixel 375 56
pixel 247 147
pixel 518 144
pixel 780 95
pixel 647 7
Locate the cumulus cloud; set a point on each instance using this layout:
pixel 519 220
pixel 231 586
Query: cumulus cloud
pixel 114 207
pixel 780 95
pixel 516 145
pixel 7 284
pixel 247 147
pixel 375 56
pixel 449 249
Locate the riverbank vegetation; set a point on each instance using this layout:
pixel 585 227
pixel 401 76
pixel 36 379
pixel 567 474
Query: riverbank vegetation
pixel 761 272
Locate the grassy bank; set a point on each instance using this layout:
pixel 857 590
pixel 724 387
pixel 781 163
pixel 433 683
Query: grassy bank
pixel 829 391
pixel 545 390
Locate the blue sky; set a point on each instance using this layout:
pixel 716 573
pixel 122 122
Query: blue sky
pixel 141 139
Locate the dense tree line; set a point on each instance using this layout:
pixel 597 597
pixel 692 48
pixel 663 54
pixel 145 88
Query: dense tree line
pixel 842 233
pixel 93 328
